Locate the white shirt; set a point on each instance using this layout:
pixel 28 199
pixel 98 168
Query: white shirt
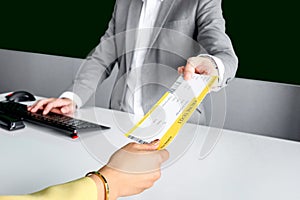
pixel 133 98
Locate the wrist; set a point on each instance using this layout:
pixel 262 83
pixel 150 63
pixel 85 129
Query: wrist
pixel 74 97
pixel 214 67
pixel 211 61
pixel 109 173
pixel 99 185
pixel 221 68
pixel 72 103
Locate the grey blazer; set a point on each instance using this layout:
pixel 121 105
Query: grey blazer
pixel 184 28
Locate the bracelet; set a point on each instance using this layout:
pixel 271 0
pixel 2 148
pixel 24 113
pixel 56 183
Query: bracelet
pixel 103 179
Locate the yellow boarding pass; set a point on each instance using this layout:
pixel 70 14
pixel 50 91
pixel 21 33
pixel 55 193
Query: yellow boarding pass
pixel 172 111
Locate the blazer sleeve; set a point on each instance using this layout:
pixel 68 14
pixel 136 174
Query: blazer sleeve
pixel 81 189
pixel 211 35
pixel 98 64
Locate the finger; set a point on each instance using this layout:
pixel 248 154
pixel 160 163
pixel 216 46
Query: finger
pixel 48 107
pixel 180 70
pixel 135 147
pixel 56 110
pixel 29 108
pixel 40 104
pixel 58 103
pixel 189 70
pixel 164 154
pixel 155 142
pixel 150 146
pixel 51 105
pixel 201 70
pixel 67 110
pixel 54 104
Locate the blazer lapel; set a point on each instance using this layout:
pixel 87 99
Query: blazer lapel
pixel 134 11
pixel 161 19
pixel 165 9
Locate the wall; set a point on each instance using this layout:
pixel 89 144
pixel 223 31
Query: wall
pixel 263 33
pixel 262 107
pixel 44 75
pixel 252 106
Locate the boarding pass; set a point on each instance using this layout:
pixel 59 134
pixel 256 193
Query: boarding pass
pixel 172 111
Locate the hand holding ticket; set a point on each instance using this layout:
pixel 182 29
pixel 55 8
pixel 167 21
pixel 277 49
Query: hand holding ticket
pixel 172 111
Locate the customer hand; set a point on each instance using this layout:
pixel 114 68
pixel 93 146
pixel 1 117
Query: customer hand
pixel 57 105
pixel 133 168
pixel 198 65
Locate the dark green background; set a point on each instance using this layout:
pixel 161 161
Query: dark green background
pixel 264 33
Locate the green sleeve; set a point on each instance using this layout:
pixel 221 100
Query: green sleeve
pixel 81 189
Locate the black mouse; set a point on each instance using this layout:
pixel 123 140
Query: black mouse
pixel 19 96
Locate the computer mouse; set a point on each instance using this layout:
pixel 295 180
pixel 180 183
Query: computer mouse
pixel 19 96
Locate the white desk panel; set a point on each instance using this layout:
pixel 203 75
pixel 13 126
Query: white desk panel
pixel 241 166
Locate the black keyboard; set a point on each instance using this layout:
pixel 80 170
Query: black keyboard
pixel 59 122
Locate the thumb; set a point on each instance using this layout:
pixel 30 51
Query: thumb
pixel 189 70
pixel 152 146
pixel 65 109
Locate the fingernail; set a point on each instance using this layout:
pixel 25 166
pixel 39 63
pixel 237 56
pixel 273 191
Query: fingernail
pixel 155 142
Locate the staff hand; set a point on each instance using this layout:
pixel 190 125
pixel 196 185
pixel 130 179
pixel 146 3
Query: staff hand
pixel 57 105
pixel 198 65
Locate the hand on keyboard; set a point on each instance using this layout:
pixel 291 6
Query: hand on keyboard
pixel 63 106
pixel 63 123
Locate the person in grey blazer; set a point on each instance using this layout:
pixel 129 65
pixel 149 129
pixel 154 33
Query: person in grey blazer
pixel 150 41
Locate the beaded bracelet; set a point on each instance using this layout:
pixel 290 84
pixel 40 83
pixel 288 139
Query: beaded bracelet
pixel 103 179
